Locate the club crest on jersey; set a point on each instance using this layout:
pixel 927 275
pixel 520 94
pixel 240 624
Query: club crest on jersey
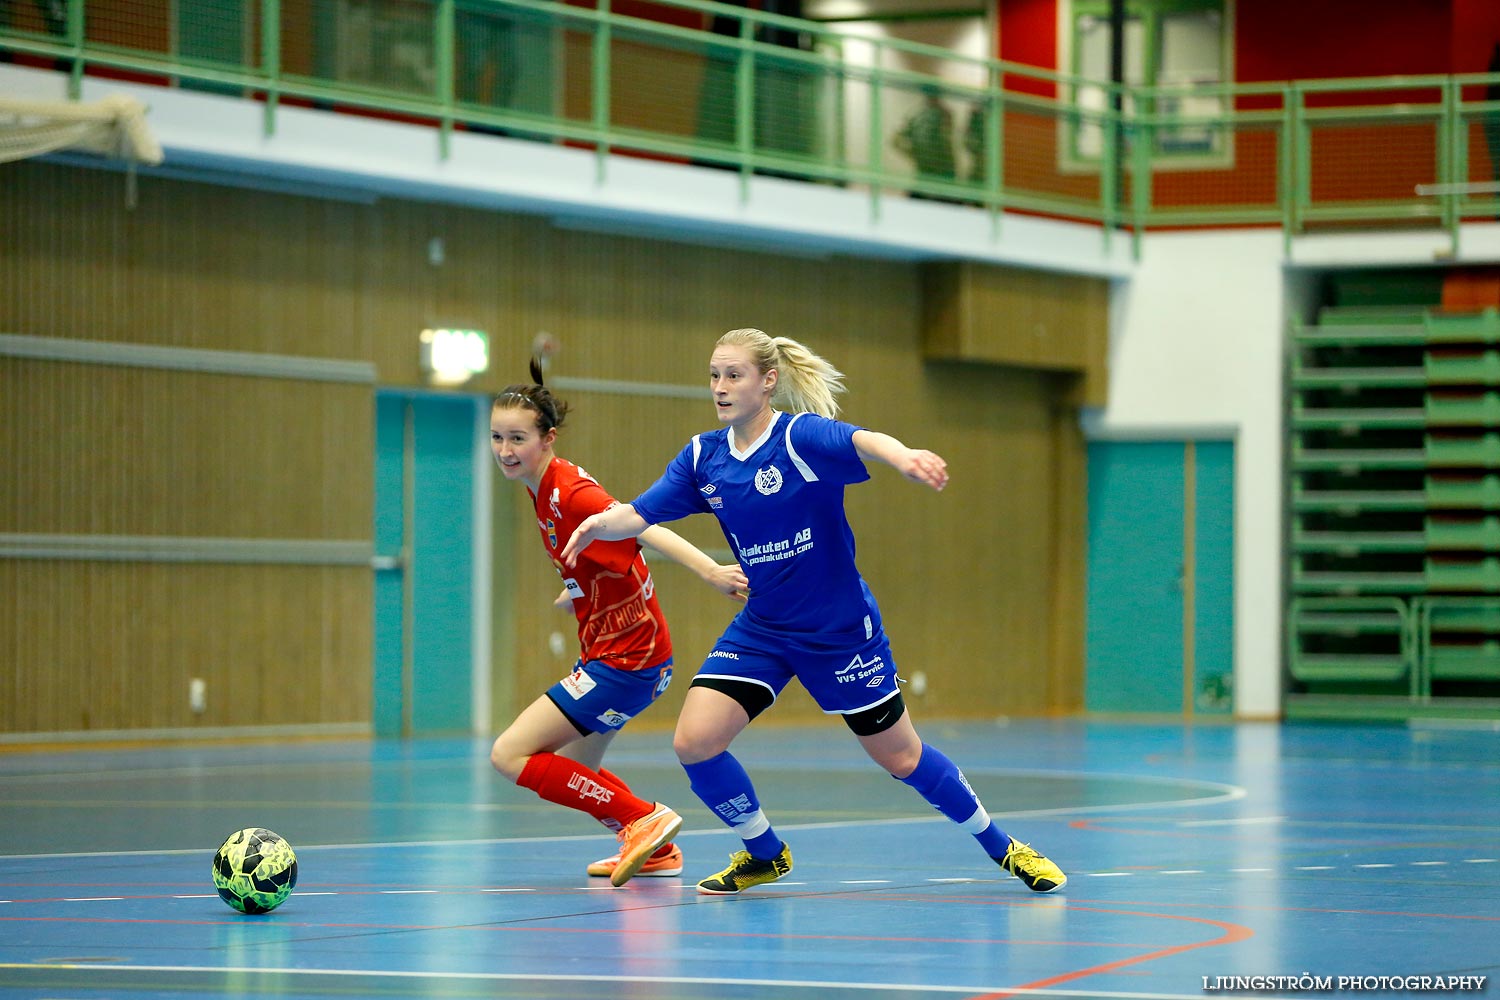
pixel 768 480
pixel 551 534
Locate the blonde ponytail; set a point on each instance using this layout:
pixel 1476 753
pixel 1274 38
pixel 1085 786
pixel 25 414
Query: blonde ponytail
pixel 807 383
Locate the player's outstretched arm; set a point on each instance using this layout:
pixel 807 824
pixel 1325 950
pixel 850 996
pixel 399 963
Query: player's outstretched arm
pixel 916 464
pixel 728 580
pixel 620 521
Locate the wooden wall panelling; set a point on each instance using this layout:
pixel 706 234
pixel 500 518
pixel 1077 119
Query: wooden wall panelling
pixel 193 265
pixel 659 310
pixel 1065 674
pixel 97 450
pixel 1011 316
pixel 106 646
pixel 210 267
pixel 132 451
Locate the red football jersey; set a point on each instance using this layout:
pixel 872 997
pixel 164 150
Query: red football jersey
pixel 614 597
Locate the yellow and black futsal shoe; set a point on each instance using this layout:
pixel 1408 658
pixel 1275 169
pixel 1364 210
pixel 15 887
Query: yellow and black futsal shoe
pixel 1039 874
pixel 745 871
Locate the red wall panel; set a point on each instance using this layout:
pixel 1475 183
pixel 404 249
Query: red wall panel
pixel 1297 40
pixel 1283 40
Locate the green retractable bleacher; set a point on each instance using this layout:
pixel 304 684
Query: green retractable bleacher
pixel 1393 482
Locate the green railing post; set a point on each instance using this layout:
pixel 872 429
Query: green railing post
pixel 1302 174
pixel 270 60
pixel 840 149
pixel 994 144
pixel 75 29
pixel 443 60
pixel 1141 185
pixel 1413 648
pixel 1451 172
pixel 1109 171
pixel 877 140
pixel 1286 169
pixel 601 92
pixel 1304 149
pixel 744 104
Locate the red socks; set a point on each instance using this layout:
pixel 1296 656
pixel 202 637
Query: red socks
pixel 569 783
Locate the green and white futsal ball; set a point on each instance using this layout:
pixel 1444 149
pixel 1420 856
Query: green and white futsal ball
pixel 255 871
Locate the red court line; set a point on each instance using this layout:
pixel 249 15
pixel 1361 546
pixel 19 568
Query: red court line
pixel 1233 933
pixel 1303 909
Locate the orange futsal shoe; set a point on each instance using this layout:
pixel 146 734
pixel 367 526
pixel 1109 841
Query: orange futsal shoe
pixel 667 861
pixel 639 840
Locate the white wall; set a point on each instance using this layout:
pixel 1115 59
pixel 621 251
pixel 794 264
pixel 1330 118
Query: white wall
pixel 1195 351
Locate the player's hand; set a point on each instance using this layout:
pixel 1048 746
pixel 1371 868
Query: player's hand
pixel 581 539
pixel 730 581
pixel 922 466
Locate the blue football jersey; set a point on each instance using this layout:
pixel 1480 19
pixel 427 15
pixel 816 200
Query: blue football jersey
pixel 781 506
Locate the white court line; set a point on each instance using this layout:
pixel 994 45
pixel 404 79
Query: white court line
pixel 1227 793
pixel 689 886
pixel 805 984
pixel 1242 821
pixel 226 767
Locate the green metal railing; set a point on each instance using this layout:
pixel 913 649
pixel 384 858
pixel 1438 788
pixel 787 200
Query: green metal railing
pixel 709 83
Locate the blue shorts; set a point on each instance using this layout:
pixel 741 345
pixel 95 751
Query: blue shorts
pixel 598 698
pixel 842 679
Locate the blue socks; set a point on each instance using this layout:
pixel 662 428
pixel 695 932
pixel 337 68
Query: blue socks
pixel 938 780
pixel 725 788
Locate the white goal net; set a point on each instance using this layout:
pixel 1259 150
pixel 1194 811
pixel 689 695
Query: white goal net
pixel 114 126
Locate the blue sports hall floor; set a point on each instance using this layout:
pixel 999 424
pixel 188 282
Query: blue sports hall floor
pixel 1193 852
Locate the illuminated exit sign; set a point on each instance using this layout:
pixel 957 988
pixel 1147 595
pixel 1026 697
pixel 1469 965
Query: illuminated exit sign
pixel 452 357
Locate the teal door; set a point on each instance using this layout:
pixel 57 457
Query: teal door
pixel 424 607
pixel 1160 630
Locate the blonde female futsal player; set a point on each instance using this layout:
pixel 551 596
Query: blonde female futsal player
pixel 555 746
pixel 776 483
